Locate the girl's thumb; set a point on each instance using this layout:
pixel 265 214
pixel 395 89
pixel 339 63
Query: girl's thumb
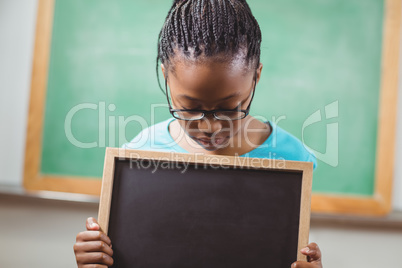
pixel 92 224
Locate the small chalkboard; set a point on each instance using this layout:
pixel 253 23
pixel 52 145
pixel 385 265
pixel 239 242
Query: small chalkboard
pixel 185 210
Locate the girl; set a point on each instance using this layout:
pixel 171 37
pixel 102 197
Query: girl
pixel 209 52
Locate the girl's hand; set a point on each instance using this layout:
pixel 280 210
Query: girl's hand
pixel 313 253
pixel 93 248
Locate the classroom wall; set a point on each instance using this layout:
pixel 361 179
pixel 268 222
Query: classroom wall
pixel 397 193
pixel 41 233
pixel 17 30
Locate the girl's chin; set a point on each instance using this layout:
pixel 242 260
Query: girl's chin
pixel 212 145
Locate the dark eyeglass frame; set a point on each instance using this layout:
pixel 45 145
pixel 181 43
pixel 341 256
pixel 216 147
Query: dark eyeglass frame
pixel 205 112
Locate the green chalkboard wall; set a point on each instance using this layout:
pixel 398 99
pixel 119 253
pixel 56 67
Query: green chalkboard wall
pixel 321 81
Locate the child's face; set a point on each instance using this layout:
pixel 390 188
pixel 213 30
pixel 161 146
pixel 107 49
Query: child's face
pixel 211 86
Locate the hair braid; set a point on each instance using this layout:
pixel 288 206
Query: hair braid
pixel 205 28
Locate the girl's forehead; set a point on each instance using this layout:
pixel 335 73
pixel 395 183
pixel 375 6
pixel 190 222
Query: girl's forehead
pixel 210 81
pixel 210 74
pixel 233 65
pixel 210 84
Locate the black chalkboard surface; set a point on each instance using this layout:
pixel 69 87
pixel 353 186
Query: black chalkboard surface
pixel 165 214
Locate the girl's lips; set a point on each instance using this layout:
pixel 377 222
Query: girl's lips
pixel 211 142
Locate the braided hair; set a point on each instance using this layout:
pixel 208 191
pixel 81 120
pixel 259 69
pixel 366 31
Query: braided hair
pixel 200 29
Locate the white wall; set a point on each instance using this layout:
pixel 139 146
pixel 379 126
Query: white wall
pixel 17 30
pixel 397 193
pixel 40 233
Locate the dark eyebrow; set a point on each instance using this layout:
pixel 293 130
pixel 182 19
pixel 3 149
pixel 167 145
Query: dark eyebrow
pixel 195 99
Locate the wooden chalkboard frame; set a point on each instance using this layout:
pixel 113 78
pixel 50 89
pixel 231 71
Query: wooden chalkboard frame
pixel 378 204
pixel 113 154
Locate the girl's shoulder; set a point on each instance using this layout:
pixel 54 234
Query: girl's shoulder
pixel 155 137
pixel 283 145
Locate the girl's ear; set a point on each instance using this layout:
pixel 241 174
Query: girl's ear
pixel 259 70
pixel 163 70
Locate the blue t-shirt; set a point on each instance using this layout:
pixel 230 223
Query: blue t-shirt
pixel 280 144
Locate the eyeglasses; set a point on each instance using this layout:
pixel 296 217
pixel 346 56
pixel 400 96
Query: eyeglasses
pixel 219 114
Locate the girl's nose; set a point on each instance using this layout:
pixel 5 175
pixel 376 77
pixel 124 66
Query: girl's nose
pixel 209 125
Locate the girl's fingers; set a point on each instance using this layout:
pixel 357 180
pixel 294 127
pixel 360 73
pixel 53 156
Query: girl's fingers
pixel 92 224
pixel 94 258
pixel 302 264
pixel 312 251
pixel 93 236
pixel 93 246
pixel 93 266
